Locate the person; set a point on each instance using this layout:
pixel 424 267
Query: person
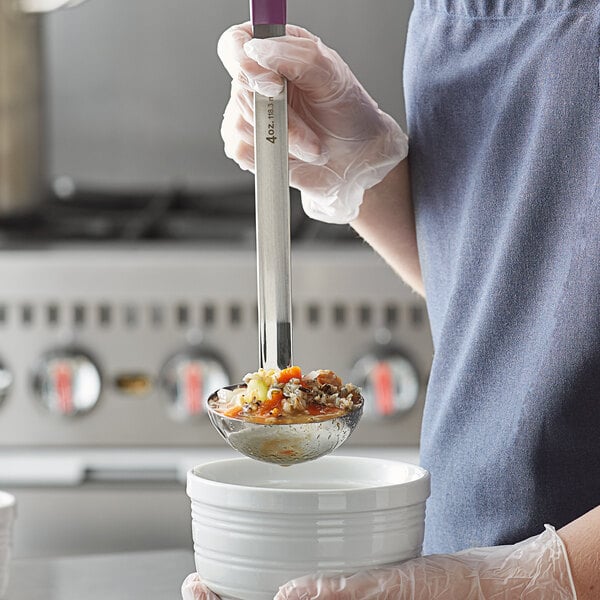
pixel 495 218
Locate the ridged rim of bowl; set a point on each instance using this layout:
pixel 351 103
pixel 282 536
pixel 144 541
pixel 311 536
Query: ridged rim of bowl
pixel 204 487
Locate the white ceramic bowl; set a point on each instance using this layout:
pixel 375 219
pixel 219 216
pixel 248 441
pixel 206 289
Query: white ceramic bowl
pixel 8 512
pixel 257 525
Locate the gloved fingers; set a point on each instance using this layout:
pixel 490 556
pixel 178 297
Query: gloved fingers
pixel 193 589
pixel 322 180
pixel 230 48
pixel 237 129
pixel 304 142
pixel 244 100
pixel 238 126
pixel 243 69
pixel 381 584
pixel 307 63
pixel 312 588
pixel 321 189
pixel 234 132
pixel 237 123
pixel 300 32
pixel 246 71
pixel 242 154
pixel 535 569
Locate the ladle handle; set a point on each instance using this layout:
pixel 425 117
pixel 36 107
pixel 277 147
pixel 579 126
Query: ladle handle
pixel 272 206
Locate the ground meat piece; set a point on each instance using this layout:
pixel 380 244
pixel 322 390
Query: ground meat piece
pixel 329 389
pixel 329 377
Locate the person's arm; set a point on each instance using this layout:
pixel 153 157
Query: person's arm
pixel 582 541
pixel 386 221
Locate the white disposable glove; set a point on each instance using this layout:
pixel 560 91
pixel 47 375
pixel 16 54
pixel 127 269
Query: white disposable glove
pixel 341 143
pixel 193 589
pixel 535 569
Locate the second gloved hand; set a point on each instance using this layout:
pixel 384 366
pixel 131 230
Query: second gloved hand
pixel 341 143
pixel 536 569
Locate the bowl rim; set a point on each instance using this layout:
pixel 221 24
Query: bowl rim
pixel 372 497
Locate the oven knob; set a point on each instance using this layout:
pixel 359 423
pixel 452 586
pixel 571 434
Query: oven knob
pixel 390 384
pixel 6 380
pixel 188 378
pixel 67 382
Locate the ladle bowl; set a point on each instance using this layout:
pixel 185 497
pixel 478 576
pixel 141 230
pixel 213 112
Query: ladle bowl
pixel 284 443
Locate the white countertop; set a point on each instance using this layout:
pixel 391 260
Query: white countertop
pixel 128 576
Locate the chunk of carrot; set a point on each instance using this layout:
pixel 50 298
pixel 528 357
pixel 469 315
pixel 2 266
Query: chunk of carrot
pixel 233 412
pixel 290 373
pixel 274 402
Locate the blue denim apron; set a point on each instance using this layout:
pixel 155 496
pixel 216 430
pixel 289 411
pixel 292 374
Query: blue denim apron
pixel 503 106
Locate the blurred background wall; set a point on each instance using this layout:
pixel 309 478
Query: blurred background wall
pixel 136 92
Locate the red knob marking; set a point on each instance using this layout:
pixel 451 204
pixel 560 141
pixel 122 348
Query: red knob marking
pixel 384 388
pixel 193 388
pixel 63 383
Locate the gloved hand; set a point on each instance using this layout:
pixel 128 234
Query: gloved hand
pixel 193 589
pixel 341 143
pixel 535 569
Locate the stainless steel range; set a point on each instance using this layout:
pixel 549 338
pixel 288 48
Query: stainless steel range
pixel 109 347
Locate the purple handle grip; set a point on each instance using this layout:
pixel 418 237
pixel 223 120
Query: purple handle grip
pixel 268 12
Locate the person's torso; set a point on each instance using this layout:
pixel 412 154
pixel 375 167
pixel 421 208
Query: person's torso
pixel 503 106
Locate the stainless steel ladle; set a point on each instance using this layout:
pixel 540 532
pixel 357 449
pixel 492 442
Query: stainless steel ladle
pixel 285 444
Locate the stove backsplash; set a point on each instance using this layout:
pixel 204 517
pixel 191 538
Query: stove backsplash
pixel 135 90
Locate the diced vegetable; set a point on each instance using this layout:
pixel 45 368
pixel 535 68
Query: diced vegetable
pixel 233 412
pixel 290 373
pixel 274 402
pixel 257 390
pixel 329 377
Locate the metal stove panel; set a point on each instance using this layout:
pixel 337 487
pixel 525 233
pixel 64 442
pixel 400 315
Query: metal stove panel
pixel 131 308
